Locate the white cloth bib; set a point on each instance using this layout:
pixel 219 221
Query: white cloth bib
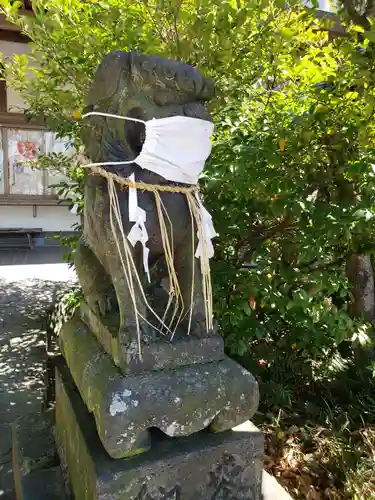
pixel 175 148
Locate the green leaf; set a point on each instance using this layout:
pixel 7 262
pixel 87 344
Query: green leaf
pixel 370 35
pixel 358 28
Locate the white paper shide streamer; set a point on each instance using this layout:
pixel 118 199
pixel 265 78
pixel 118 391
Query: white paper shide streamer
pixel 138 231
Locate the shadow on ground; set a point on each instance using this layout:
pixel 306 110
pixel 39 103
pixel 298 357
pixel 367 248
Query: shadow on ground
pixel 24 305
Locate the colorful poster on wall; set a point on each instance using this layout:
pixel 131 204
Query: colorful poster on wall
pixel 27 149
pixel 23 148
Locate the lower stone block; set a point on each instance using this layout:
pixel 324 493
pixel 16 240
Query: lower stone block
pixel 44 484
pixel 36 471
pixel 204 466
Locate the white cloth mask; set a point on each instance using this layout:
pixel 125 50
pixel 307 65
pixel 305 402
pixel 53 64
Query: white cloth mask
pixel 175 148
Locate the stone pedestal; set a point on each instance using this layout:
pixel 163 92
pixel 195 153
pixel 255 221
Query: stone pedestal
pixel 165 434
pixel 157 428
pixel 156 356
pixel 218 394
pixel 38 475
pixel 205 466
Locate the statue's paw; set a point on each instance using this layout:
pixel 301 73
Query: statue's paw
pixel 215 328
pixel 100 305
pixel 199 327
pixel 144 332
pixel 104 305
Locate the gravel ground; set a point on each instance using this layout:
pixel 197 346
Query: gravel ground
pixel 27 287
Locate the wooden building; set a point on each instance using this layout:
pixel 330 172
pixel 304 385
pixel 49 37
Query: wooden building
pixel 27 202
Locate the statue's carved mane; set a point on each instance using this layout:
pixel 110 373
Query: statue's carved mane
pixel 150 74
pixel 145 87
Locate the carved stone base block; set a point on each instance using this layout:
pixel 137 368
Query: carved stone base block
pixel 219 395
pixel 205 466
pixel 159 355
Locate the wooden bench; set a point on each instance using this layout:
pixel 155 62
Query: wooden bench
pixel 9 242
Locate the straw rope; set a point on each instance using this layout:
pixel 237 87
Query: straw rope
pixel 142 186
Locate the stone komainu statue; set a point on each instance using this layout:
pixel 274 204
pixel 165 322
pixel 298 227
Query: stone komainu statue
pixel 141 87
pixel 132 379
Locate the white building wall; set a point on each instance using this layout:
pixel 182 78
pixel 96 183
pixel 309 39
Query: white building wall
pixel 325 5
pixel 48 218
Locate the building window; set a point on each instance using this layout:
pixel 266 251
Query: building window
pixel 19 148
